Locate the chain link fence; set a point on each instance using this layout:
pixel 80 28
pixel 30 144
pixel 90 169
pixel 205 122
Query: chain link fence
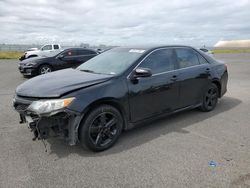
pixel 17 47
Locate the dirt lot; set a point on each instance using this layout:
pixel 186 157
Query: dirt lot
pixel 174 152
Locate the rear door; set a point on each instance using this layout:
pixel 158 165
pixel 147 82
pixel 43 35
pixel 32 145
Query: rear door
pixel 159 93
pixel 194 76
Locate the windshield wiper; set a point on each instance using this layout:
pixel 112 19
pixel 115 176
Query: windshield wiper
pixel 90 71
pixel 85 70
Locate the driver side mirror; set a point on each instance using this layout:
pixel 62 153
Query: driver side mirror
pixel 142 73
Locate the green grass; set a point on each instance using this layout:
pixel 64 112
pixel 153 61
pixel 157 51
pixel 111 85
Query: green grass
pixel 10 54
pixel 231 51
pixel 18 54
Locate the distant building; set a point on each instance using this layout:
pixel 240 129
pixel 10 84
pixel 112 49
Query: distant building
pixel 233 44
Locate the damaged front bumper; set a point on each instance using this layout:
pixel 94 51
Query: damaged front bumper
pixel 64 123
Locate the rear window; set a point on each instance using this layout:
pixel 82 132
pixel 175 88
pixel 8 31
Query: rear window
pixel 85 52
pixel 209 58
pixel 56 47
pixel 186 57
pixel 202 60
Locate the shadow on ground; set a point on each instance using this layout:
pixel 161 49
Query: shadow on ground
pixel 148 131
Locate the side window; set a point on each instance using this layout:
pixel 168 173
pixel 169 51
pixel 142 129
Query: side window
pixel 69 53
pixel 47 47
pixel 85 52
pixel 92 52
pixel 202 60
pixel 160 61
pixel 186 57
pixel 56 47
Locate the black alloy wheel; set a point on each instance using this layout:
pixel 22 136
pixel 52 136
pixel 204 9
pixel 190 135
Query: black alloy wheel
pixel 210 98
pixel 101 128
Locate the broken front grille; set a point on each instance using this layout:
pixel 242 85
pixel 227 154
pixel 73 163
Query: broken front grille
pixel 21 107
pixel 22 103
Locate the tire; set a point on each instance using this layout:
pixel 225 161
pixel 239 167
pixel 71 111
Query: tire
pixel 101 128
pixel 44 69
pixel 210 98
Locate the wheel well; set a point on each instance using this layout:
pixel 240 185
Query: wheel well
pixel 106 102
pixel 217 83
pixel 45 64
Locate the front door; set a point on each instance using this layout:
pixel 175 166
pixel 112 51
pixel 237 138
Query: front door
pixel 158 93
pixel 69 59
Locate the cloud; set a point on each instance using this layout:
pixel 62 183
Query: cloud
pixel 123 22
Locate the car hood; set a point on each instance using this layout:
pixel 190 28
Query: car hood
pixel 34 60
pixel 58 83
pixel 32 52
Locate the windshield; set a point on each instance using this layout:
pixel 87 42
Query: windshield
pixel 114 61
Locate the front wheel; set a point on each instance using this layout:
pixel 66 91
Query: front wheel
pixel 44 69
pixel 101 128
pixel 210 98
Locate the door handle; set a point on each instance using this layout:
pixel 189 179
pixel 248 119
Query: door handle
pixel 174 78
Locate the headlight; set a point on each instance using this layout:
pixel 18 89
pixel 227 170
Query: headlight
pixel 30 64
pixel 48 106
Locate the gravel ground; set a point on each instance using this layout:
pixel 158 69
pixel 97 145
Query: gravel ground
pixel 172 152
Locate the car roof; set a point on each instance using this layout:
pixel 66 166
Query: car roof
pixel 152 47
pixel 78 48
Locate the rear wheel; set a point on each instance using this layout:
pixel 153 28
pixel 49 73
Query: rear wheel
pixel 210 98
pixel 44 69
pixel 101 128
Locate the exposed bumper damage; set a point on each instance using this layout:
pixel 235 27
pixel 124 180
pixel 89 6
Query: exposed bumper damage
pixel 63 123
pixel 27 71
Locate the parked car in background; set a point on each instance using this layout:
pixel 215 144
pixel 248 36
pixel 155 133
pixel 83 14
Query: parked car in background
pixel 205 50
pixel 47 50
pixel 117 90
pixel 69 58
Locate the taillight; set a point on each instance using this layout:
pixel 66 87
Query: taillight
pixel 225 66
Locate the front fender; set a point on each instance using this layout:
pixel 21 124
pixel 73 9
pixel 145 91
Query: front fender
pixel 32 53
pixel 111 92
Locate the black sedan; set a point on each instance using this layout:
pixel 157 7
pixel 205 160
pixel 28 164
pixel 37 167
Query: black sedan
pixel 68 58
pixel 117 90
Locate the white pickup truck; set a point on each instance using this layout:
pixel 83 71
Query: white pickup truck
pixel 47 50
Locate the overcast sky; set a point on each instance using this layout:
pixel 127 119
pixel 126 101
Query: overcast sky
pixel 124 22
